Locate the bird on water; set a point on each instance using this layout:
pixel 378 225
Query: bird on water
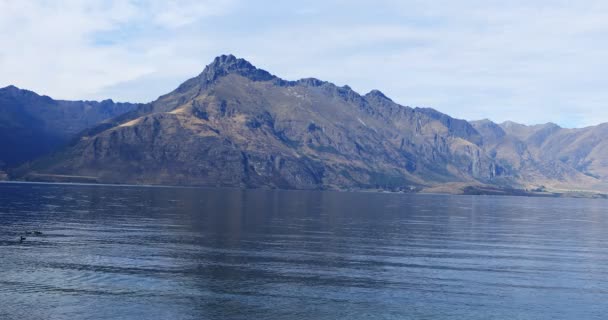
pixel 34 233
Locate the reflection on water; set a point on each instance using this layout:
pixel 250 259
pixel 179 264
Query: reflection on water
pixel 173 253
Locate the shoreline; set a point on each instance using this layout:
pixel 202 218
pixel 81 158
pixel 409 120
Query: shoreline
pixel 466 191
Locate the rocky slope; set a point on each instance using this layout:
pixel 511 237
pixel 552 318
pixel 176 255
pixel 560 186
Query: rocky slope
pixel 32 125
pixel 583 151
pixel 237 125
pixel 551 156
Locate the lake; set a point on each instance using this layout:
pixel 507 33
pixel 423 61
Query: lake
pixel 109 252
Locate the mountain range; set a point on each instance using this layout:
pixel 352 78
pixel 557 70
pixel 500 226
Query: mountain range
pixel 235 125
pixel 32 125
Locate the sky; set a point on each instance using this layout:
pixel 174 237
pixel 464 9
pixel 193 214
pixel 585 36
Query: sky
pixel 525 61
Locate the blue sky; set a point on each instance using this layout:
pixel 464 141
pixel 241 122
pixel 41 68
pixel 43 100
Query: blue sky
pixel 526 61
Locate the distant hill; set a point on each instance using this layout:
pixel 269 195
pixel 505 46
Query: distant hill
pixel 32 125
pixel 240 126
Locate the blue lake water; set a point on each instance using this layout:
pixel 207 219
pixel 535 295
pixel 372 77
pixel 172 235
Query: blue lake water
pixel 175 253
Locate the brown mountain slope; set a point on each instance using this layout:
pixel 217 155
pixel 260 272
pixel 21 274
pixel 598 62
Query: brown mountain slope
pixel 585 150
pixel 515 146
pixel 236 125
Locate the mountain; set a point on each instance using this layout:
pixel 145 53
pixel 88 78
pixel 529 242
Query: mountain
pixel 518 148
pixel 32 125
pixel 582 150
pixel 239 126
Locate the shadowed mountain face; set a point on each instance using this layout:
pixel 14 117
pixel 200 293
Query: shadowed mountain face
pixel 236 125
pixel 33 125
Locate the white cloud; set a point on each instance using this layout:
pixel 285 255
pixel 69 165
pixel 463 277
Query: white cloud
pixel 50 47
pixel 525 61
pixel 47 47
pixel 175 14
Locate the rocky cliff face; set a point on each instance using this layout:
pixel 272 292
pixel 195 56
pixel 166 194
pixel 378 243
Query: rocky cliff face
pixel 515 147
pixel 32 125
pixel 583 151
pixel 236 125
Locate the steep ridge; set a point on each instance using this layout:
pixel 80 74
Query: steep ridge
pixel 236 125
pixel 239 126
pixel 585 150
pixel 32 125
pixel 516 147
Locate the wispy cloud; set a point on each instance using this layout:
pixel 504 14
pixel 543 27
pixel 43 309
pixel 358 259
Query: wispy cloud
pixel 525 61
pixel 175 14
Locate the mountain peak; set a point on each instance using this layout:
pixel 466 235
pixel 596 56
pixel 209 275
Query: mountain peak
pixel 512 124
pixel 12 89
pixel 222 66
pixel 552 125
pixel 377 94
pixel 313 82
pixel 15 91
pixel 9 87
pixel 229 64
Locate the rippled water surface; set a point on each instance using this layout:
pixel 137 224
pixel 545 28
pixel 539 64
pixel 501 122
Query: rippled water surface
pixel 169 253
